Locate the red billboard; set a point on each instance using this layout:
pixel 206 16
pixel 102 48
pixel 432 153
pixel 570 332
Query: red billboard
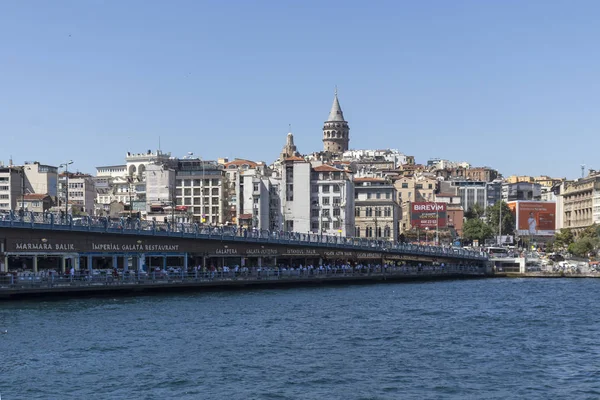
pixel 428 215
pixel 534 218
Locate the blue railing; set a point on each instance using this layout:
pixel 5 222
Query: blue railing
pixel 134 226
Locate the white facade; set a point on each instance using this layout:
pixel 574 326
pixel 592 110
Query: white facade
pixel 295 195
pixel 10 188
pixel 41 179
pixel 388 155
pixel 376 211
pixel 82 192
pixel 199 189
pixel 332 202
pixel 160 183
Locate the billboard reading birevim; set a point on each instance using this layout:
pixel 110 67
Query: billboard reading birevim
pixel 428 215
pixel 534 218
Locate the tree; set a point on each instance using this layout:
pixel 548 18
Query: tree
pixel 477 229
pixel 584 246
pixel 563 238
pixel 508 219
pixel 476 211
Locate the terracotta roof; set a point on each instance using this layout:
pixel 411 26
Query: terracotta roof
pixel 35 196
pixel 326 168
pixel 245 216
pixel 294 158
pixel 369 180
pixel 241 162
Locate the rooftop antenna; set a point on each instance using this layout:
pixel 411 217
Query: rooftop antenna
pixel 159 143
pixel 582 170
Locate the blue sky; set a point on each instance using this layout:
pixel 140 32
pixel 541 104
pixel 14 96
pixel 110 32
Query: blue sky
pixel 508 84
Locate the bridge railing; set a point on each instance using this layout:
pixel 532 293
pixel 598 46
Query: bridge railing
pixel 151 227
pixel 101 278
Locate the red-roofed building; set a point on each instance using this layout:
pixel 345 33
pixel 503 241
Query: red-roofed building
pixel 35 202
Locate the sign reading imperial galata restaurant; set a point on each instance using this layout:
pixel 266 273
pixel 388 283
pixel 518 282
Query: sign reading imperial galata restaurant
pixel 38 246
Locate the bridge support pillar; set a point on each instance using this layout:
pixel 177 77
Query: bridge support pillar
pixel 90 265
pixel 76 263
pixel 204 262
pixel 320 261
pixel 259 262
pixel 4 265
pixel 185 262
pixel 115 262
pixel 164 262
pixel 126 262
pixel 275 262
pixel 243 262
pixel 63 264
pixel 35 265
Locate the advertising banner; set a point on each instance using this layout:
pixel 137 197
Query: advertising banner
pixel 428 215
pixel 534 218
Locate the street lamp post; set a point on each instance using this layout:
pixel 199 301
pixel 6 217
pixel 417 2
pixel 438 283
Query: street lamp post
pixel 66 166
pixel 437 226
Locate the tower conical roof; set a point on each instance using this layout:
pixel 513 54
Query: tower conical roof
pixel 336 113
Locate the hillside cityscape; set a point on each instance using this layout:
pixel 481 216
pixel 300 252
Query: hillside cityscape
pixel 380 194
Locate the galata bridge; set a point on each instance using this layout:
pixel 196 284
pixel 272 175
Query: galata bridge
pixel 37 243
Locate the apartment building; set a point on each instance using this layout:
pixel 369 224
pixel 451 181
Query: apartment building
pixel 376 211
pixel 199 189
pixel 332 201
pixel 581 202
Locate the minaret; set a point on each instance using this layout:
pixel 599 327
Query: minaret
pixel 289 150
pixel 336 132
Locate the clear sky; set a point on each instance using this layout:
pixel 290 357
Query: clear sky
pixel 510 84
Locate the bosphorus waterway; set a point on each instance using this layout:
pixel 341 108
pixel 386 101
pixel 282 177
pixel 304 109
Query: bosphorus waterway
pixel 480 339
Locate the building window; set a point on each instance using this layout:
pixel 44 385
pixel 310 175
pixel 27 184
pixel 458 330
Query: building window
pixel 336 189
pixel 314 225
pixel 255 187
pixel 337 201
pixel 357 231
pixel 369 232
pixel 325 188
pixel 325 212
pixel 314 213
pixel 388 195
pixel 357 211
pixel 215 182
pixel 326 201
pixel 326 225
pixel 378 195
pixel 336 212
pixel 187 182
pixel 336 225
pixel 369 212
pixel 405 185
pixel 387 212
pixel 368 195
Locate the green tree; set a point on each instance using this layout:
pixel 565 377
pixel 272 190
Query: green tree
pixel 476 211
pixel 477 229
pixel 563 239
pixel 584 246
pixel 508 219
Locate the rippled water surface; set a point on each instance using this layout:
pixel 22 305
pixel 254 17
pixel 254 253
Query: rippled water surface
pixel 504 339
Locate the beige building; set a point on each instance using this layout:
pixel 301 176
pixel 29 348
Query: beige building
pixel 415 188
pixel 581 202
pixel 375 209
pixel 37 203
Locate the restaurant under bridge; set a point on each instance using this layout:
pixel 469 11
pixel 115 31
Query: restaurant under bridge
pixel 37 242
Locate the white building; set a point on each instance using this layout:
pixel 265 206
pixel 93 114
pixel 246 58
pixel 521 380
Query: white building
pixel 82 192
pixel 199 189
pixel 332 201
pixel 295 174
pixel 11 187
pixel 376 211
pixel 127 183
